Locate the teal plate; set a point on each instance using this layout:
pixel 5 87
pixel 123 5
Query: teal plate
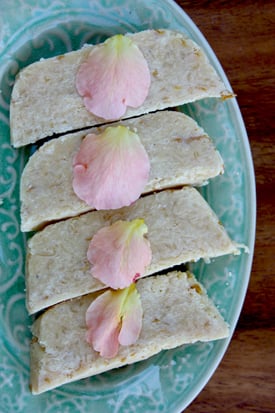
pixel 169 381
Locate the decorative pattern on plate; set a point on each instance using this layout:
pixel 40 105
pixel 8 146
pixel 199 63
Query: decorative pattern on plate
pixel 170 380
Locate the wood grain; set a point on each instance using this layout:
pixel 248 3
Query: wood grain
pixel 242 34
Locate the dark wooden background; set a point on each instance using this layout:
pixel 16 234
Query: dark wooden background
pixel 242 34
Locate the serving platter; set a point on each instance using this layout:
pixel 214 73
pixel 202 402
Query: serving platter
pixel 169 381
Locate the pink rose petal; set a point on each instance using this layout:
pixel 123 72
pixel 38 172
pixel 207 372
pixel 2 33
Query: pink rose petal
pixel 120 253
pixel 131 318
pixel 115 75
pixel 113 318
pixel 111 169
pixel 102 320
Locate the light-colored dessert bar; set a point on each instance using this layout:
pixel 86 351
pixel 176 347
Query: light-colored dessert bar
pixel 180 153
pixel 181 228
pixel 176 311
pixel 45 100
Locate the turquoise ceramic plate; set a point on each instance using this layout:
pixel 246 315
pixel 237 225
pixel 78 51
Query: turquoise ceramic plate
pixel 168 382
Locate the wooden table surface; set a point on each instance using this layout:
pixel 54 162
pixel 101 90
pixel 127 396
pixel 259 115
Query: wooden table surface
pixel 242 34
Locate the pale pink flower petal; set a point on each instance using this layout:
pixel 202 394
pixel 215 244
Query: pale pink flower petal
pixel 103 323
pixel 120 253
pixel 115 75
pixel 131 318
pixel 111 169
pixel 113 318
